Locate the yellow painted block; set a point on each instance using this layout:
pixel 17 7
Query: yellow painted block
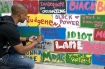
pixel 44 20
pixel 35 57
pixel 100 7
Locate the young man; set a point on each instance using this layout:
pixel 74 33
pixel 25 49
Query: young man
pixel 9 34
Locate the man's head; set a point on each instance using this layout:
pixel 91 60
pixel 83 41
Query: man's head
pixel 19 11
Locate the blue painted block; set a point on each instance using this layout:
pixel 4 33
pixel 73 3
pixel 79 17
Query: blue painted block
pixel 81 7
pixel 98 59
pixel 53 33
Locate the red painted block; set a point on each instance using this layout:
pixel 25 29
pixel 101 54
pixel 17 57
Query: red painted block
pixel 99 34
pixel 32 5
pixel 66 46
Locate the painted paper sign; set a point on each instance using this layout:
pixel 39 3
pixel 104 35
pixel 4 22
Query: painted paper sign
pixel 67 46
pixel 77 58
pixel 31 5
pixel 93 21
pixel 53 33
pixel 98 60
pixel 43 20
pixel 81 7
pixel 5 6
pixel 54 57
pixel 46 45
pixel 52 7
pixel 26 31
pixel 100 7
pixel 99 34
pixel 35 55
pixel 66 20
pixel 93 47
pixel 79 34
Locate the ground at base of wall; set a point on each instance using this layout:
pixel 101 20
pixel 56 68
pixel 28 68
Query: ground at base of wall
pixel 46 66
pixel 51 66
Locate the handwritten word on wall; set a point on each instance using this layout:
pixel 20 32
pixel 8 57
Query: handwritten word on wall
pixel 34 55
pixel 31 5
pixel 98 59
pixel 93 21
pixel 93 47
pixel 76 58
pixel 47 45
pixel 43 20
pixel 100 7
pixel 5 6
pixel 67 46
pixel 79 34
pixel 53 33
pixel 81 7
pixel 99 34
pixel 66 20
pixel 26 31
pixel 54 57
pixel 51 7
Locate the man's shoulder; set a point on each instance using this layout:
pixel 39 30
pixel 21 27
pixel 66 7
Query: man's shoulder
pixel 7 24
pixel 7 27
pixel 6 19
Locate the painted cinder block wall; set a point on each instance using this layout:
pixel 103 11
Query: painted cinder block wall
pixel 73 31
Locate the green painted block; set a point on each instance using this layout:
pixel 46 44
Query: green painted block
pixel 93 21
pixel 53 57
pixel 5 6
pixel 26 31
pixel 76 58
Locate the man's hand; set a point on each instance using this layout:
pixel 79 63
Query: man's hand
pixel 32 38
pixel 39 38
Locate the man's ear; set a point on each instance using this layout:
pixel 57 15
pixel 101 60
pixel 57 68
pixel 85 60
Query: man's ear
pixel 19 14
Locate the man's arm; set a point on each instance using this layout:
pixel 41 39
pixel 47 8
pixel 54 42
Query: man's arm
pixel 23 49
pixel 22 39
pixel 13 38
